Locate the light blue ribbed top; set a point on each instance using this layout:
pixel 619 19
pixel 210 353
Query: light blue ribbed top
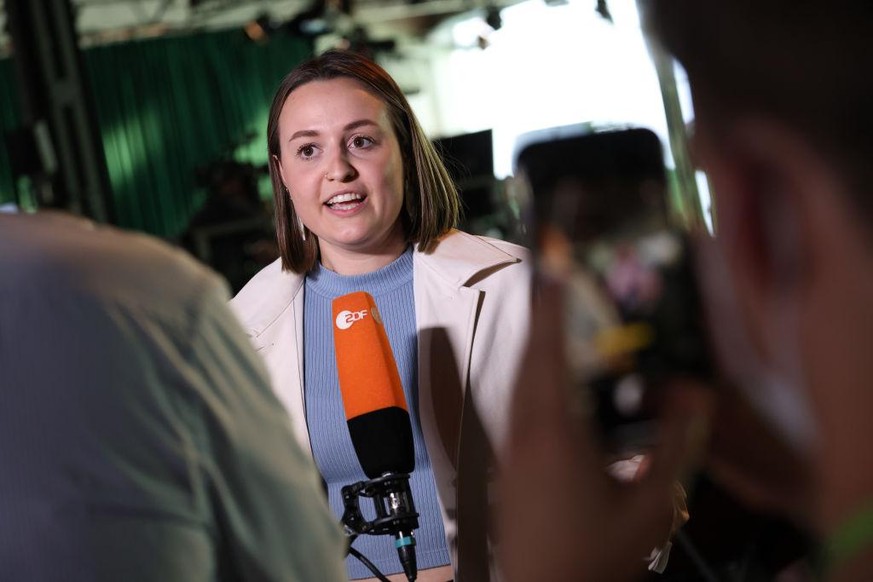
pixel 391 288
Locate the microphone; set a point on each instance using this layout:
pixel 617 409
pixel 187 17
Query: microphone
pixel 378 420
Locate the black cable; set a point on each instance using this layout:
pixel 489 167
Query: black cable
pixel 705 571
pixel 746 560
pixel 370 565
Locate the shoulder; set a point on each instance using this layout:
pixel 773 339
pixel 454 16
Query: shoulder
pixel 479 246
pixel 103 304
pixel 466 259
pixel 522 253
pixel 67 255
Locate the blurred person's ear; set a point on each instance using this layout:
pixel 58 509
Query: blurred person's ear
pixel 762 178
pixel 762 175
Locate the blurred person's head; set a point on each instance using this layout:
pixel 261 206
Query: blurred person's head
pixel 782 95
pixel 800 64
pixel 340 124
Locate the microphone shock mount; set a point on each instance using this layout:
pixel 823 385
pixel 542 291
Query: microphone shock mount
pixel 395 514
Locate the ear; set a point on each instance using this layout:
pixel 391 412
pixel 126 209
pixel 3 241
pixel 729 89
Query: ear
pixel 277 163
pixel 761 177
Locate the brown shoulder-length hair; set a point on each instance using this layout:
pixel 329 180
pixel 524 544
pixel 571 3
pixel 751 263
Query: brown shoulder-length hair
pixel 431 203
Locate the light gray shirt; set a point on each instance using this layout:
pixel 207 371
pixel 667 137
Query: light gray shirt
pixel 139 438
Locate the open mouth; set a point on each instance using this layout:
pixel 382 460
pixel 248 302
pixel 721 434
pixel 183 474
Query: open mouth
pixel 345 201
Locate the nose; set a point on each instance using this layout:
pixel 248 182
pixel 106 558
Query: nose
pixel 339 169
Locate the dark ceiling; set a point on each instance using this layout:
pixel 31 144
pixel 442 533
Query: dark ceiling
pixel 108 21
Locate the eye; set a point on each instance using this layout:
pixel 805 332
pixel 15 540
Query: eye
pixel 361 142
pixel 306 151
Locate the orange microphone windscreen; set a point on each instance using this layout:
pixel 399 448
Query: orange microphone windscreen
pixel 368 374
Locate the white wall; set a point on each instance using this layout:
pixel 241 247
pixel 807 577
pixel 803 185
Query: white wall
pixel 546 66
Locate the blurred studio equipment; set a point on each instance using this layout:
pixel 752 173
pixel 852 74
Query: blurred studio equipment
pixel 233 230
pixel 487 210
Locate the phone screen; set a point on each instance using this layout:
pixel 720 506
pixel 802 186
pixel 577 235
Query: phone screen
pixel 597 210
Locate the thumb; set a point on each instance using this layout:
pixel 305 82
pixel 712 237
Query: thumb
pixel 683 431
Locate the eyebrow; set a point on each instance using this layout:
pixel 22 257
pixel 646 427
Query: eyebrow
pixel 348 127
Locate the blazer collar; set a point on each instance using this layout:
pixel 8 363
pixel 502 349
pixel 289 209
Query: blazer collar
pixel 268 295
pixel 459 260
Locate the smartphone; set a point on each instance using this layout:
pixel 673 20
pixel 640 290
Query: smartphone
pixel 596 210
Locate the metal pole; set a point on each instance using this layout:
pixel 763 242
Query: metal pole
pixel 58 107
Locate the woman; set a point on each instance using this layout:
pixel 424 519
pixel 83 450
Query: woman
pixel 363 202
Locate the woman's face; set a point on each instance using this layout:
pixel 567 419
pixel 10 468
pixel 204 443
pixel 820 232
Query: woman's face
pixel 341 163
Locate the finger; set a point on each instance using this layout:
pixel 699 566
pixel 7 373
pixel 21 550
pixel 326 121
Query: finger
pixel 541 390
pixel 542 411
pixel 683 431
pixel 539 464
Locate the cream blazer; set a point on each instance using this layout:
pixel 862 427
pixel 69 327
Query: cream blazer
pixel 472 309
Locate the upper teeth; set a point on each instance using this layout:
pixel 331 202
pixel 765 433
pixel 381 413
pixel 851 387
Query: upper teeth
pixel 344 198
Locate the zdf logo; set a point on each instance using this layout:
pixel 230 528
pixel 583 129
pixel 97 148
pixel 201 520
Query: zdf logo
pixel 345 319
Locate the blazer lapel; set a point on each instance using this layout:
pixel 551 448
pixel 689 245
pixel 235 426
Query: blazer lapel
pixel 447 304
pixel 446 322
pixel 280 344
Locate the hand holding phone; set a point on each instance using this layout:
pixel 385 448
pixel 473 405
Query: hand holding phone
pixel 597 213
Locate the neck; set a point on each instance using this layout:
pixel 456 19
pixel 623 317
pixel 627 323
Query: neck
pixel 352 261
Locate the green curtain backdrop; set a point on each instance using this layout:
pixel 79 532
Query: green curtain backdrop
pixel 167 106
